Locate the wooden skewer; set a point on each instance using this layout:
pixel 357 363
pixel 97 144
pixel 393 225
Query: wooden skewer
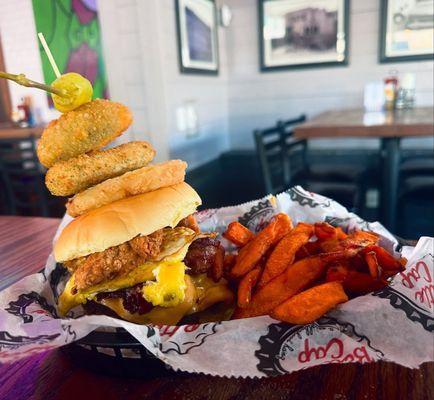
pixel 23 81
pixel 49 55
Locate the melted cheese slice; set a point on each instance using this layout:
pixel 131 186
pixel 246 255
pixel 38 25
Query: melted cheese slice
pixel 210 292
pixel 158 315
pixel 169 287
pixel 201 292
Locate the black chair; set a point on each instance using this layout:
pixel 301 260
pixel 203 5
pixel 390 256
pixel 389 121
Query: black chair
pixel 270 148
pixel 23 179
pixel 320 171
pixel 416 208
pixel 416 166
pixel 416 195
pixel 283 161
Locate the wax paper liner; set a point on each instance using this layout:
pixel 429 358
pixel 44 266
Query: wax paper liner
pixel 394 324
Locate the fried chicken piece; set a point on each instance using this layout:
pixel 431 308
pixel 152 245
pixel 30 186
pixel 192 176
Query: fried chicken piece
pixel 89 127
pixel 149 246
pixel 132 183
pixel 79 173
pixel 115 261
pixel 72 265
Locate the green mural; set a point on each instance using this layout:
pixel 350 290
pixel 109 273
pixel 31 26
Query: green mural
pixel 72 31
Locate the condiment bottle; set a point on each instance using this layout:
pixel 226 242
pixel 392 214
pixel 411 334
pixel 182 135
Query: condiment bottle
pixel 390 88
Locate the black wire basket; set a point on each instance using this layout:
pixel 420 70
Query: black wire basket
pixel 113 351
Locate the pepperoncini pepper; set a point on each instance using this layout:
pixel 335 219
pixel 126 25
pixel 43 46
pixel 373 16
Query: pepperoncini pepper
pixel 78 91
pixel 68 91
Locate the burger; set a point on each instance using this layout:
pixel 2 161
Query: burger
pixel 142 259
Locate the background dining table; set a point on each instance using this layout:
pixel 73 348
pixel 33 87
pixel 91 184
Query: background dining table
pixel 25 243
pixel 389 126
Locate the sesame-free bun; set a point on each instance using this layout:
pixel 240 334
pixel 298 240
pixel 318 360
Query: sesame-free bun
pixel 121 221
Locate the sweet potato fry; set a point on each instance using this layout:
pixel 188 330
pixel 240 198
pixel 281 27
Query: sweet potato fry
pixel 307 250
pixel 238 234
pixel 229 262
pixel 358 283
pixel 336 273
pixel 295 278
pixel 358 263
pixel 302 252
pixel 284 253
pixel 251 253
pixel 246 286
pixel 374 268
pixel 356 239
pixel 324 231
pixel 362 238
pixel 311 304
pixel 330 245
pixel 217 267
pixel 385 259
pixel 340 233
pixel 312 248
pixel 340 255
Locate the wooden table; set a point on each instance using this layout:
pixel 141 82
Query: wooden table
pixel 8 131
pixel 389 126
pixel 24 245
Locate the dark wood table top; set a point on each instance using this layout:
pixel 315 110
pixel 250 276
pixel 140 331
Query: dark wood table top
pixel 8 131
pixel 25 243
pixel 358 123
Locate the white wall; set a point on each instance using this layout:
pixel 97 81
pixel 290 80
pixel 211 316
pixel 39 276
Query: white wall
pixel 20 48
pixel 258 99
pixel 124 62
pixel 208 94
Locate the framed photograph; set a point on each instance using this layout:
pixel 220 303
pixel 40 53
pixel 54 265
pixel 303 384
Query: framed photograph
pixel 407 30
pixel 303 33
pixel 196 22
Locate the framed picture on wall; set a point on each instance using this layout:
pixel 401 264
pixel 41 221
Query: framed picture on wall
pixel 196 22
pixel 407 30
pixel 303 33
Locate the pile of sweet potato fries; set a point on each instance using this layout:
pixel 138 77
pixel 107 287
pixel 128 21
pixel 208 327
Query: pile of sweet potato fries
pixel 297 274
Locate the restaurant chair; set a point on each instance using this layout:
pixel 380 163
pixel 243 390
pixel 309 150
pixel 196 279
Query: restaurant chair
pixel 22 177
pixel 323 172
pixel 346 183
pixel 416 207
pixel 417 166
pixel 271 153
pixel 415 196
pixel 276 148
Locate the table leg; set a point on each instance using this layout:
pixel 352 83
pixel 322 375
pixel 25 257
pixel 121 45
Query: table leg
pixel 389 192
